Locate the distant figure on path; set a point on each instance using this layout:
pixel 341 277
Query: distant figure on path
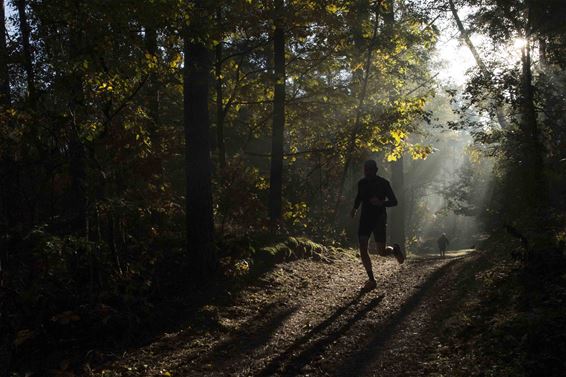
pixel 374 194
pixel 442 244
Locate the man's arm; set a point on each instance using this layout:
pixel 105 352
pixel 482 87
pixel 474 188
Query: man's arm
pixel 391 198
pixel 358 199
pixel 357 202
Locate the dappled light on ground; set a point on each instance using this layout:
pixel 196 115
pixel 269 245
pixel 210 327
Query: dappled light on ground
pixel 310 318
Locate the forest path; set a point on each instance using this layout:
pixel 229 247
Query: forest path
pixel 308 318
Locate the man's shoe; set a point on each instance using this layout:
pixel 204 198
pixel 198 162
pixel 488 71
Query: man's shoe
pixel 398 253
pixel 369 285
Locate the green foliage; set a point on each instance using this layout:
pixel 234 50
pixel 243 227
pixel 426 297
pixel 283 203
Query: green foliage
pixel 523 90
pixel 244 256
pixel 94 164
pixel 240 198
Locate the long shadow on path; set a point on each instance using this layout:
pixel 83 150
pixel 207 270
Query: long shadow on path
pixel 252 335
pixel 295 360
pixel 358 363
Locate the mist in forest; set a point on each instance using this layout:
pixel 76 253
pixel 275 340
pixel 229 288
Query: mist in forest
pixel 152 149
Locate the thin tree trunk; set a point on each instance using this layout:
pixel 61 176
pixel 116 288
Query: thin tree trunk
pixel 397 167
pixel 219 106
pixel 498 110
pixel 398 213
pixel 77 154
pixel 389 14
pixel 5 98
pixel 357 123
pixel 543 52
pixel 361 15
pixel 153 91
pixel 199 218
pixel 8 191
pixel 536 191
pixel 276 176
pixel 28 56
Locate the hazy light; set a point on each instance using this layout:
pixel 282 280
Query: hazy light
pixel 519 43
pixel 454 56
pixel 455 60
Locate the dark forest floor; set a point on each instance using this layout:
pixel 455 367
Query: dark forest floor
pixel 309 318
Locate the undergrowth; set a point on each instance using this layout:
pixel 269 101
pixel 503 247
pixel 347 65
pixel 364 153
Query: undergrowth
pixel 509 321
pixel 57 318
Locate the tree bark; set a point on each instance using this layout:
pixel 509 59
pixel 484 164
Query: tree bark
pixel 28 55
pixel 5 98
pixel 397 234
pixel 389 13
pixel 77 153
pixel 219 106
pixel 276 175
pixel 361 9
pixel 498 110
pixel 199 217
pixel 153 91
pixel 7 339
pixel 357 122
pixel 536 186
pixel 398 213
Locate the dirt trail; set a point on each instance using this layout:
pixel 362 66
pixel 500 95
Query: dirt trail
pixel 309 318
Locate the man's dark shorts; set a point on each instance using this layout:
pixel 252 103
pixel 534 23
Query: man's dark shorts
pixel 373 224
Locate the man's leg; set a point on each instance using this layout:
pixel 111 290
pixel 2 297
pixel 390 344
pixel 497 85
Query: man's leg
pixel 382 250
pixel 366 261
pixel 380 235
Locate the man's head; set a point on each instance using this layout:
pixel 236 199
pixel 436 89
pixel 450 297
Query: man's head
pixel 370 168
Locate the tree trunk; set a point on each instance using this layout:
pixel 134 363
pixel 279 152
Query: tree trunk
pixel 398 213
pixel 219 107
pixel 6 208
pixel 153 91
pixel 5 99
pixel 498 110
pixel 276 176
pixel 536 185
pixel 350 148
pixel 389 14
pixel 397 234
pixel 543 52
pixel 28 56
pixel 199 218
pixel 361 9
pixel 77 153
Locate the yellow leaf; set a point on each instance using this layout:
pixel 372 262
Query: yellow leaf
pixel 332 8
pixel 391 157
pixel 398 136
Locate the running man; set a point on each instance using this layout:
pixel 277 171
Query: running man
pixel 442 244
pixel 375 195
